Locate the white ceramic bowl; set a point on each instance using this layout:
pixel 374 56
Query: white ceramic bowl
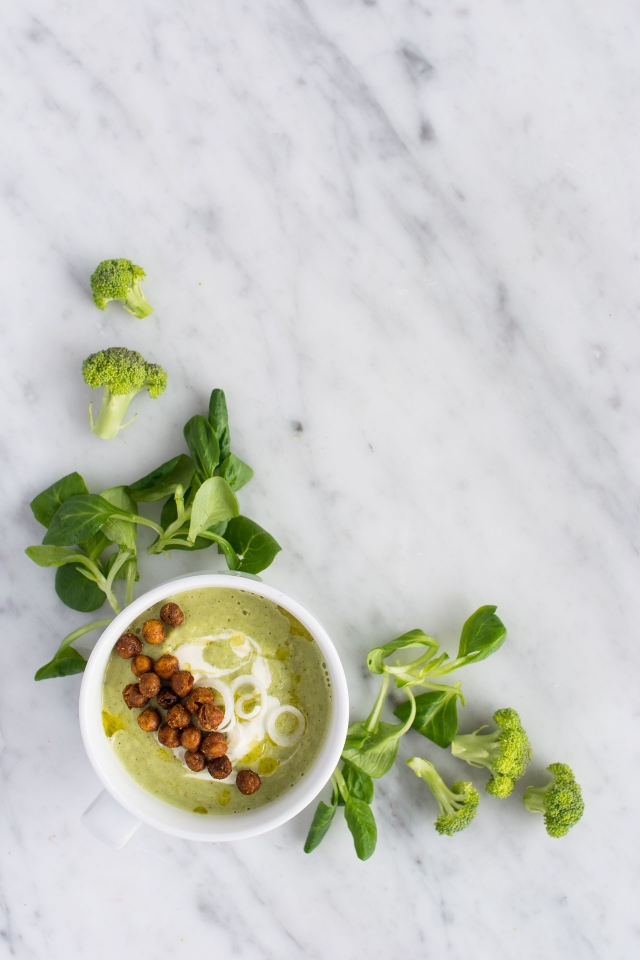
pixel 114 822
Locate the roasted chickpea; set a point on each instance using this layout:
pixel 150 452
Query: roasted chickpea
pixel 136 697
pixel 125 694
pixel 172 615
pixel 149 720
pixel 153 632
pixel 182 682
pixel 141 664
pixel 166 666
pixel 128 646
pixel 167 698
pixel 219 768
pixel 168 736
pixel 210 717
pixel 195 761
pixel 190 738
pixel 247 782
pixel 197 697
pixel 178 717
pixel 149 684
pixel 213 745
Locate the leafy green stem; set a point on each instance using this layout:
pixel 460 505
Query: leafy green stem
pixel 130 579
pixel 174 542
pixel 339 784
pixel 411 717
pixel 374 717
pixel 444 687
pixel 68 661
pixel 92 572
pixel 166 537
pixel 136 518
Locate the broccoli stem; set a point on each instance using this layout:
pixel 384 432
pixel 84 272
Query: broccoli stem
pixel 112 411
pixel 535 799
pixel 448 801
pixel 136 303
pixel 479 751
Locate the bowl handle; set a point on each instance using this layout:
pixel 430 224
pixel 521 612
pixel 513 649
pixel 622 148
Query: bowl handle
pixel 110 822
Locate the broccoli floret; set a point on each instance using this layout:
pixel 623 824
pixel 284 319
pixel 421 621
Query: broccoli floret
pixel 122 373
pixel 506 752
pixel 458 806
pixel 560 801
pixel 120 280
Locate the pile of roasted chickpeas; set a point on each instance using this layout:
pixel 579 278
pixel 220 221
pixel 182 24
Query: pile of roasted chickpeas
pixel 192 718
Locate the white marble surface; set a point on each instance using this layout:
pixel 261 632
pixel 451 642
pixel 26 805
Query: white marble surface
pixel 402 235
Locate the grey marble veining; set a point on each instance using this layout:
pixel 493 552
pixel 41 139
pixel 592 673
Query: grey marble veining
pixel 403 237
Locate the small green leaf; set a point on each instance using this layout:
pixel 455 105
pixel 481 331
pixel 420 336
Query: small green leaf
pixel 118 530
pixel 203 446
pixel 362 825
pixel 78 519
pixel 214 502
pixel 52 556
pixel 46 504
pixel 319 826
pixel 373 753
pixel 121 498
pixel 76 591
pixel 482 635
pixel 235 471
pixel 64 664
pixel 412 639
pixel 67 660
pixel 219 420
pixel 359 784
pixel 436 716
pixel 256 548
pixel 162 481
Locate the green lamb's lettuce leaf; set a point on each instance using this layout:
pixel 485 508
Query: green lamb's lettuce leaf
pixel 78 519
pixel 52 556
pixel 362 825
pixel 64 664
pixel 256 548
pixel 46 504
pixel 358 783
pixel 162 481
pixel 67 660
pixel 372 753
pixel 203 446
pixel 412 640
pixel 235 472
pixel 219 420
pixel 319 826
pixel 118 530
pixel 482 634
pixel 214 502
pixel 77 591
pixel 436 715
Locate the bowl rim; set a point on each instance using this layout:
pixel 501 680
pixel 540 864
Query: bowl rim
pixel 175 820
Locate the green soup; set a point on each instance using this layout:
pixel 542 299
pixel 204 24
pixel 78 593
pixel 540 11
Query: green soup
pixel 228 634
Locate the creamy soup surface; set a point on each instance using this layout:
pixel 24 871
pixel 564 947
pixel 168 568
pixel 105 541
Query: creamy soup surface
pixel 229 634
